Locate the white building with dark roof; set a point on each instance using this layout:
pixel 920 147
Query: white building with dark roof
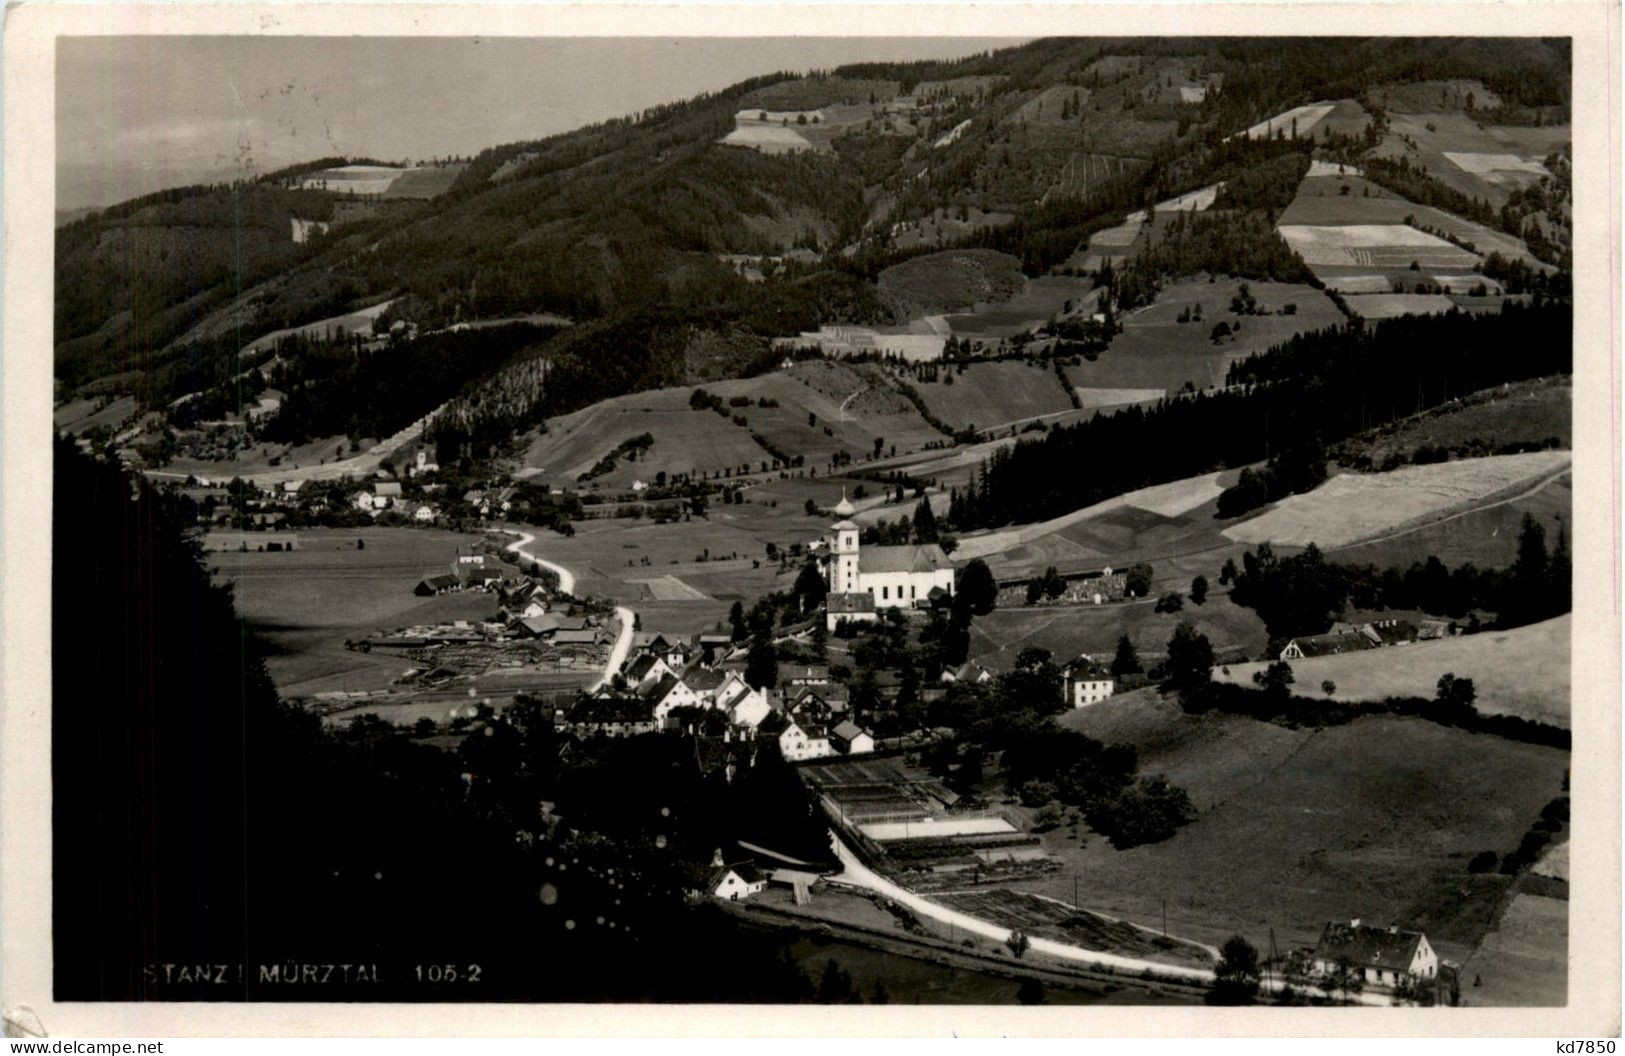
pixel 1381 956
pixel 894 577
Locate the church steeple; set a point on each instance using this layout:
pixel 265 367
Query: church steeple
pixel 844 508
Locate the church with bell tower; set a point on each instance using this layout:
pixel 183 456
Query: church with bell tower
pixel 865 579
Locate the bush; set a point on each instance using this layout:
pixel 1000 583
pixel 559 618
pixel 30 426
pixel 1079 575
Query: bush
pixel 1173 601
pixel 1482 862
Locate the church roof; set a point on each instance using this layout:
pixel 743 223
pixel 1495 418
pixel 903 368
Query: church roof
pixel 844 508
pixel 927 558
pixel 844 525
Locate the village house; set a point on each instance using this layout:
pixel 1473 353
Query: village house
pixel 733 882
pixel 1331 644
pixel 798 735
pixel 892 576
pixel 1087 682
pixel 615 717
pixel 440 584
pixel 1382 956
pixel 644 669
pixel 970 671
pixel 850 739
pixel 711 648
pixel 421 465
pixel 667 694
pixel 425 514
pixel 848 608
pixel 745 706
pixel 804 675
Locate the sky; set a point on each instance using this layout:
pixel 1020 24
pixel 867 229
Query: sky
pixel 138 114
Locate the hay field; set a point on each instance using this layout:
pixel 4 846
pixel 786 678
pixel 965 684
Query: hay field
pixel 1373 245
pixel 670 588
pixel 991 394
pixel 954 279
pixel 1357 506
pixel 1155 350
pixel 304 603
pixel 1487 537
pixel 1320 201
pixel 1524 671
pixel 1297 827
pixel 1298 122
pixel 1524 412
pixel 1168 500
pixel 1318 168
pixel 1360 283
pixel 81 416
pixel 357 322
pixel 1195 202
pixel 1391 305
pixel 1523 961
pixel 353 179
pixel 1431 139
pixel 1067 630
pixel 1035 302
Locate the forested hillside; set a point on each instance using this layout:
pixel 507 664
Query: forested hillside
pixel 635 228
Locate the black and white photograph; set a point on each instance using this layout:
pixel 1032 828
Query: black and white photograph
pixel 1008 519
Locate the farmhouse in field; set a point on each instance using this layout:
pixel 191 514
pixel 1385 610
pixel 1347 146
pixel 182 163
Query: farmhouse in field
pixel 430 585
pixel 839 342
pixel 1087 682
pixel 733 882
pixel 1331 644
pixel 894 577
pixel 1382 956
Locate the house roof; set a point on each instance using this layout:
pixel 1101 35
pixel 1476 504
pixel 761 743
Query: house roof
pixel 927 558
pixel 547 623
pixel 710 640
pixel 838 603
pixel 775 723
pixel 658 691
pixel 1087 667
pixel 1331 644
pixel 586 637
pixel 701 680
pixel 1390 631
pixel 389 487
pixel 805 673
pixel 641 666
pixel 611 709
pixel 440 582
pixel 746 871
pixel 847 730
pixel 1367 947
